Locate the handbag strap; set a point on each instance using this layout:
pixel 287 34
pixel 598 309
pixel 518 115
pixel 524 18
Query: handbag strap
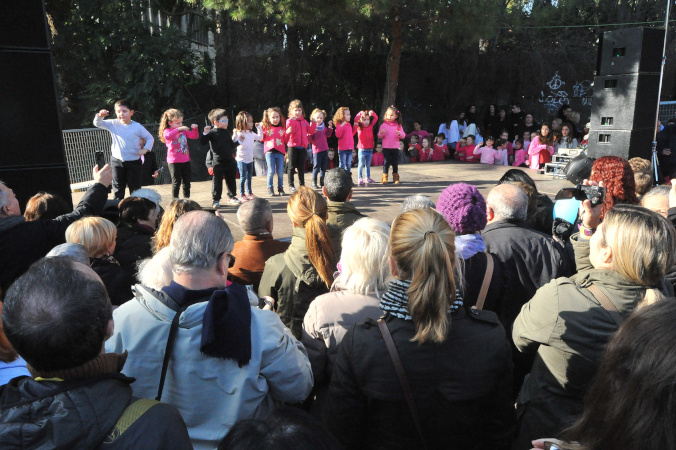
pixel 490 263
pixel 169 349
pixel 394 355
pixel 606 303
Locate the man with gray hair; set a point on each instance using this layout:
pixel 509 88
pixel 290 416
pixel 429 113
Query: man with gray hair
pixel 197 343
pixel 529 259
pixel 257 245
pixel 342 214
pixel 657 199
pixel 417 201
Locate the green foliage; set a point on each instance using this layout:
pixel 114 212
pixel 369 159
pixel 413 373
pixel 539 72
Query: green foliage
pixel 105 50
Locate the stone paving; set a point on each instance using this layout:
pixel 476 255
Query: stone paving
pixel 378 201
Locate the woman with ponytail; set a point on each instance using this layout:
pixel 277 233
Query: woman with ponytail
pixel 456 360
pixel 294 278
pixel 620 263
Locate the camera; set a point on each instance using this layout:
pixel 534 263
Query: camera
pixel 595 194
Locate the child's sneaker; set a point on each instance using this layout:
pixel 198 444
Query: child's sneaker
pixel 370 181
pixel 215 205
pixel 292 189
pixel 251 196
pixel 314 185
pixel 271 192
pixel 233 201
pixel 360 182
pixel 280 191
pixel 243 198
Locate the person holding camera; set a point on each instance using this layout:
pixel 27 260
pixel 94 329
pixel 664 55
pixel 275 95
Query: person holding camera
pixel 621 264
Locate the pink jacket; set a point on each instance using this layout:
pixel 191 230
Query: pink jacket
pixel 365 135
pixel 488 154
pixel 388 133
pixel 534 150
pixel 345 135
pixel 519 157
pixel 319 139
pixel 177 144
pixel 300 130
pixel 275 138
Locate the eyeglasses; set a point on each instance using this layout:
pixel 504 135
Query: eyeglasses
pixel 223 120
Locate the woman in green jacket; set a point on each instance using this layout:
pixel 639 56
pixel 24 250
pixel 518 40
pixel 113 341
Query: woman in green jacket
pixel 620 263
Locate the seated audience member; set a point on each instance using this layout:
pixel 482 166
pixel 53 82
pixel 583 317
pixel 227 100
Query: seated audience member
pixel 286 428
pixel 529 259
pixel 44 206
pixel 569 321
pixel 464 208
pixel 305 270
pixel 417 201
pixel 257 245
pixel 440 152
pixel 155 273
pixel 567 139
pixel 97 235
pixel 22 243
pixel 541 148
pixel 657 199
pixel 378 158
pixel 138 218
pixel 629 404
pixel 457 362
pixel 153 196
pixel 76 252
pixel 404 158
pixel 618 179
pixel 540 215
pixel 354 297
pixel 175 210
pixel 414 149
pixel 226 360
pixel 465 149
pixel 11 364
pixel 338 190
pixel 643 175
pixel 57 316
pixel 417 131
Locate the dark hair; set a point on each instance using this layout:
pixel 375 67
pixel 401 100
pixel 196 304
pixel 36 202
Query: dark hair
pixel 285 428
pixel 216 114
pixel 500 142
pixel 133 209
pixel 518 175
pixel 46 206
pixel 549 139
pixel 56 316
pixel 124 102
pixel 338 184
pixel 630 404
pixel 441 135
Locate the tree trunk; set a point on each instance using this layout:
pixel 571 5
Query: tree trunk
pixel 393 61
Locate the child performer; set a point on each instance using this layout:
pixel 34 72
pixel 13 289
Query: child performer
pixel 223 164
pixel 126 149
pixel 175 135
pixel 440 151
pixel 333 159
pixel 378 158
pixel 465 149
pixel 244 156
pixel 541 148
pixel 403 153
pixel 519 154
pixel 391 133
pixel 274 145
pixel 488 154
pixel 426 150
pixel 320 147
pixel 298 130
pixel 363 126
pixel 414 149
pixel 501 146
pixel 344 133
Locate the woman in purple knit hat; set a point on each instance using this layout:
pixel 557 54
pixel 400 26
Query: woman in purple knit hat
pixel 464 208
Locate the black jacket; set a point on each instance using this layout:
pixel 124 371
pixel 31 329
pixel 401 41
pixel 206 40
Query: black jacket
pixel 117 280
pixel 22 243
pixel 474 271
pixel 461 387
pixel 222 148
pixel 81 414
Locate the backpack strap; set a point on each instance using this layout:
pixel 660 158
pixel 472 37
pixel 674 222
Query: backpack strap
pixel 130 415
pixel 490 263
pixel 606 303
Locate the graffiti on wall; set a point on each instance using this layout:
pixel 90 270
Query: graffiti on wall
pixel 558 96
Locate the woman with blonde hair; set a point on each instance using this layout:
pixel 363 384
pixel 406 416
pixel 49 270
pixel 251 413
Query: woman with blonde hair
pixel 97 235
pixel 296 277
pixel 456 361
pixel 621 264
pixel 176 209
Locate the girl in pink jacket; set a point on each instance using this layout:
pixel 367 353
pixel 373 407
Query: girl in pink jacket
pixel 320 147
pixel 345 135
pixel 391 133
pixel 298 130
pixel 363 126
pixel 175 135
pixel 541 148
pixel 488 154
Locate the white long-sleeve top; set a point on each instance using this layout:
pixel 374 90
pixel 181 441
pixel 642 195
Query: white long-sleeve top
pixel 246 144
pixel 126 138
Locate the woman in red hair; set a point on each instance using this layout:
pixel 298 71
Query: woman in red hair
pixel 618 179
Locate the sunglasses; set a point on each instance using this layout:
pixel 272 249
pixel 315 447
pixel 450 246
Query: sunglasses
pixel 223 120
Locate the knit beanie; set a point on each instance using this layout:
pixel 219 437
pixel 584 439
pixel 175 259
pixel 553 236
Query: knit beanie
pixel 463 207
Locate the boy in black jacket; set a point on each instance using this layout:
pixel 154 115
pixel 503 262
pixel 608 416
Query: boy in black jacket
pixel 221 158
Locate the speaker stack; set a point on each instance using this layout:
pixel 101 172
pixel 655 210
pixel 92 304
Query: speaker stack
pixel 33 157
pixel 625 93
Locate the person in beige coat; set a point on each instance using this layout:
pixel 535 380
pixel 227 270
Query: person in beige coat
pixel 354 296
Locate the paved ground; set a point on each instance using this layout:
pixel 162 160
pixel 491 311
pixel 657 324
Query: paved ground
pixel 381 202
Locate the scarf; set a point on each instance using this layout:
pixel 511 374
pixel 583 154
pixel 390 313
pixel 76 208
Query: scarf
pixel 320 127
pixel 102 364
pixel 395 300
pixel 226 325
pixel 468 245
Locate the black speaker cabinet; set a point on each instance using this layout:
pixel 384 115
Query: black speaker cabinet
pixel 33 157
pixel 632 50
pixel 625 143
pixel 625 102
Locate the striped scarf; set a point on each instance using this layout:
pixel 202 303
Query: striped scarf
pixel 395 300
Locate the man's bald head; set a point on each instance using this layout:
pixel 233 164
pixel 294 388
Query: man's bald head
pixel 506 202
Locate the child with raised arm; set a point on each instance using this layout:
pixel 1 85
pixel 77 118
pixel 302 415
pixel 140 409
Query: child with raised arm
pixel 222 163
pixel 244 155
pixel 173 133
pixel 488 154
pixel 126 149
pixel 274 145
pixel 298 130
pixel 440 151
pixel 320 147
pixel 391 133
pixel 363 126
pixel 345 135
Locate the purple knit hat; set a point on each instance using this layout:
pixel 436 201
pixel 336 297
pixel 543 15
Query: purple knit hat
pixel 463 207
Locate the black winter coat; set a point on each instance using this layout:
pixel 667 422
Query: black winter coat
pixel 474 272
pixel 461 387
pixel 117 280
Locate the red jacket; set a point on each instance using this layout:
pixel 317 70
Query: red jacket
pixel 365 134
pixel 345 135
pixel 300 130
pixel 275 138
